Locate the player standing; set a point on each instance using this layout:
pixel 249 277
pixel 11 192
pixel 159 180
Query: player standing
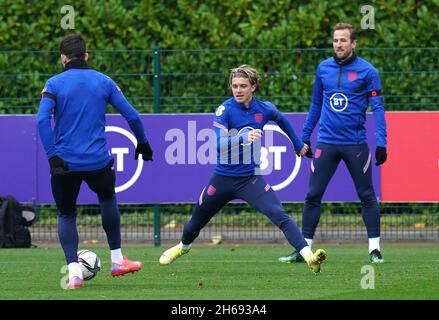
pixel 344 86
pixel 77 149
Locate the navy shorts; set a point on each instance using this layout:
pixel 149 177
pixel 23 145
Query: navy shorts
pixel 65 188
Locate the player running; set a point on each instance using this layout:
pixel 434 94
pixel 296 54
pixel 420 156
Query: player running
pixel 238 124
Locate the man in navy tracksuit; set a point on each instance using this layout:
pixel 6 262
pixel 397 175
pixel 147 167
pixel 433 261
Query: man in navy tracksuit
pixel 238 124
pixel 344 87
pixel 77 149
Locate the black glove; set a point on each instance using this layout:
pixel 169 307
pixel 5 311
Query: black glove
pixel 58 166
pixel 380 155
pixel 309 153
pixel 145 150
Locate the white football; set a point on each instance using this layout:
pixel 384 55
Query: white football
pixel 90 263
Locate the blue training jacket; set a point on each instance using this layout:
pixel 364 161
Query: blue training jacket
pixel 78 99
pixel 341 95
pixel 232 122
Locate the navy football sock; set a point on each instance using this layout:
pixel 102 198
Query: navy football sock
pixel 310 219
pixel 111 222
pixel 293 234
pixel 371 218
pixel 68 235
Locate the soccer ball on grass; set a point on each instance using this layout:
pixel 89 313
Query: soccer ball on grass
pixel 90 264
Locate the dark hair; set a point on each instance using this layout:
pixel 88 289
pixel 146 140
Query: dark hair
pixel 73 46
pixel 342 26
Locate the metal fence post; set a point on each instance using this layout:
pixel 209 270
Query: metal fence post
pixel 156 108
pixel 156 80
pixel 157 238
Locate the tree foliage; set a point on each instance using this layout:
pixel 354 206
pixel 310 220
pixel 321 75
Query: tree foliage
pixel 194 78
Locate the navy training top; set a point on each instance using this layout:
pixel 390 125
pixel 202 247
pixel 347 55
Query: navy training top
pixel 341 95
pixel 232 122
pixel 78 99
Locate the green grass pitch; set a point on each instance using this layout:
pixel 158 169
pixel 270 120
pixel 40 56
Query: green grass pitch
pixel 230 271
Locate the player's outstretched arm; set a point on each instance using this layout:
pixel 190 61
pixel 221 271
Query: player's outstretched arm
pixel 309 153
pixel 254 135
pixel 145 150
pixel 121 104
pixel 285 125
pixel 304 150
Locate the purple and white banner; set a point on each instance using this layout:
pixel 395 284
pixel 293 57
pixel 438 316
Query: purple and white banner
pixel 184 159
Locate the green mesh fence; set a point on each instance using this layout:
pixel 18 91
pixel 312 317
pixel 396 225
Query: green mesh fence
pixel 197 80
pixel 339 221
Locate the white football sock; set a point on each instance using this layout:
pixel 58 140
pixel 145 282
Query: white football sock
pixel 184 246
pixel 309 241
pixel 116 256
pixel 75 270
pixel 305 252
pixel 374 243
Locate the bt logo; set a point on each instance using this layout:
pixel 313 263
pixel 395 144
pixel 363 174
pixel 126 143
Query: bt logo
pixel 338 102
pixel 278 156
pixel 120 155
pixel 194 146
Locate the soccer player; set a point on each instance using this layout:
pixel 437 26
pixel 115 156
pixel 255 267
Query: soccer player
pixel 77 149
pixel 238 124
pixel 344 86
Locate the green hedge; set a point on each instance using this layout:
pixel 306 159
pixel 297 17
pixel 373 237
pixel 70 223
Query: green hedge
pixel 121 35
pixel 184 24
